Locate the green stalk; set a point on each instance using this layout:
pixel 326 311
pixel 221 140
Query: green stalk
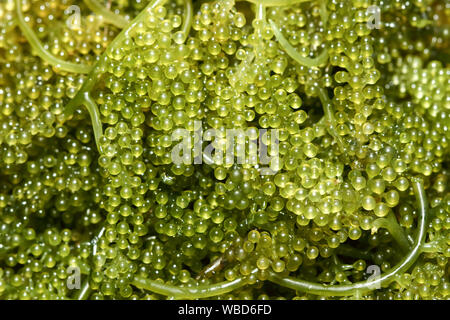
pixel 188 17
pixel 367 286
pixel 95 118
pixel 41 51
pixel 95 72
pixel 85 291
pixel 348 251
pixel 261 13
pixel 198 292
pixel 290 50
pixel 390 223
pixel 434 246
pixel 324 12
pixel 275 3
pixel 11 25
pixel 82 96
pixel 108 16
pixel 329 114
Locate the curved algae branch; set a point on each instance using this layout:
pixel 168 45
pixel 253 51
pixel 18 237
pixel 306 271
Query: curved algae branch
pixel 261 12
pixel 290 50
pixel 95 117
pixel 434 246
pixel 188 17
pixel 348 251
pixel 83 95
pixel 329 116
pixel 390 223
pixel 198 292
pixel 324 12
pixel 41 51
pixel 107 15
pixel 85 290
pixel 275 3
pixel 358 288
pixel 362 287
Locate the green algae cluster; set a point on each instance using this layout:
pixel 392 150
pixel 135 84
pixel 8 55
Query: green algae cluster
pixel 88 115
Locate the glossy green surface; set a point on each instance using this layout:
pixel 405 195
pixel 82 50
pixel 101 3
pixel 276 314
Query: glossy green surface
pixel 357 207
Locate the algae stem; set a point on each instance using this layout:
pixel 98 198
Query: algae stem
pixel 366 286
pixel 290 50
pixel 390 223
pixel 82 95
pixel 95 118
pixel 188 17
pixel 107 15
pixel 352 252
pixel 93 75
pixel 329 114
pixel 85 291
pixel 261 12
pixel 433 246
pixel 41 51
pixel 275 3
pixel 198 292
